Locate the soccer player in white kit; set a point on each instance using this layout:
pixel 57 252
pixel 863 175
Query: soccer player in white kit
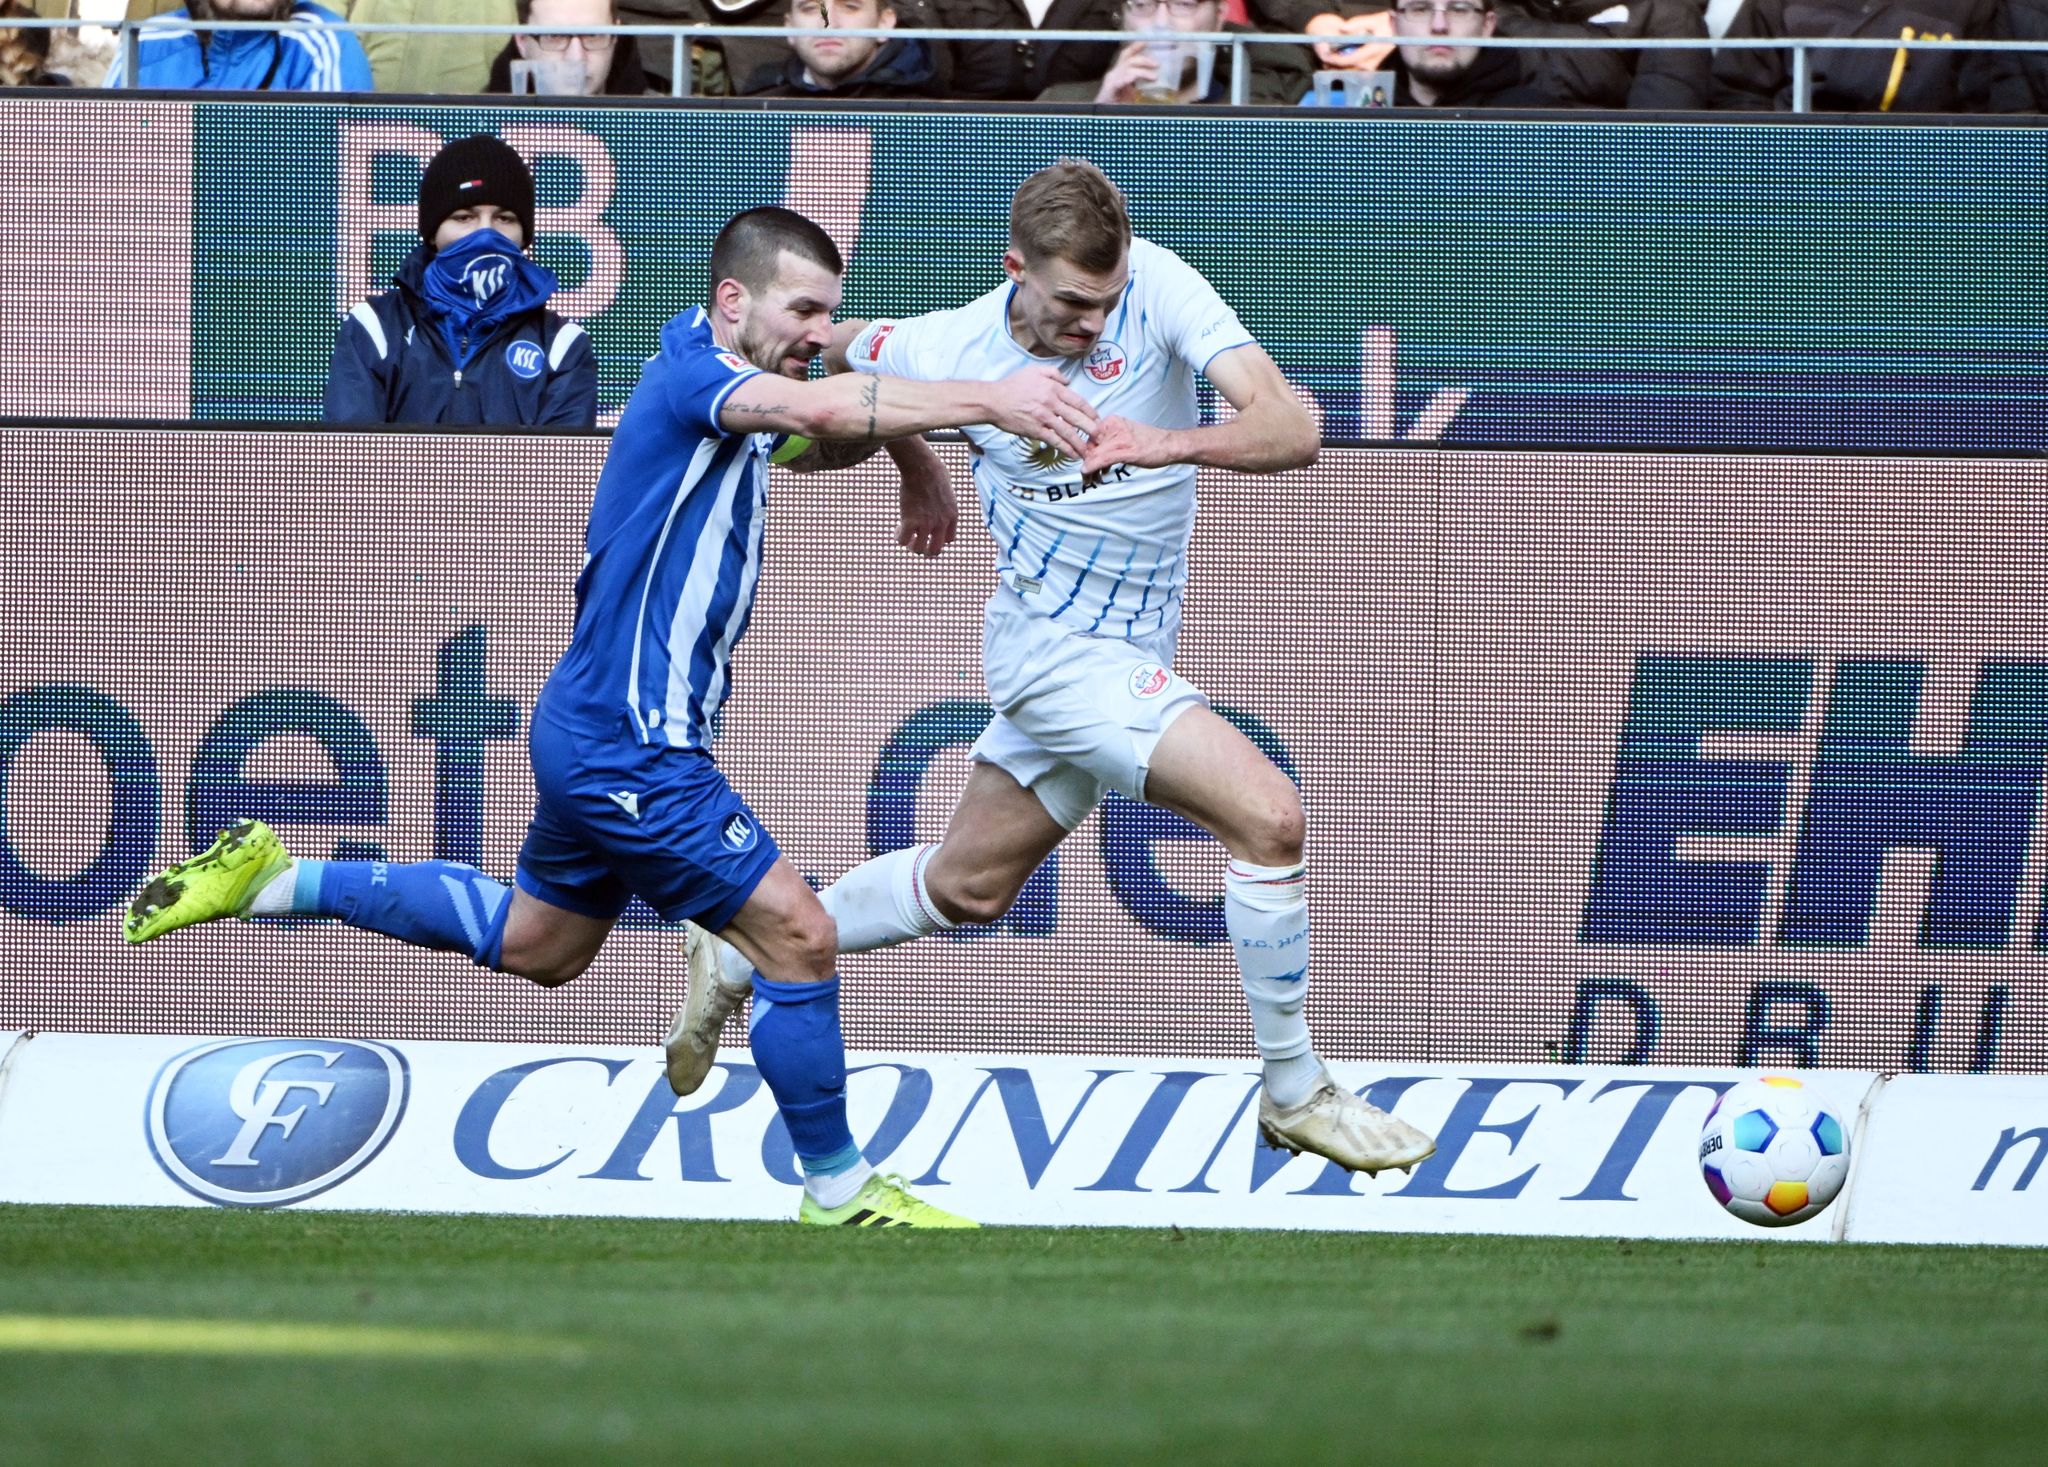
pixel 1078 639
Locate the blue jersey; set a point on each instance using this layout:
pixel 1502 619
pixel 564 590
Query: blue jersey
pixel 671 554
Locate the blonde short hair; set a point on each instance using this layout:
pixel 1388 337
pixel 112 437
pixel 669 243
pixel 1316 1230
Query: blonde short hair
pixel 1071 211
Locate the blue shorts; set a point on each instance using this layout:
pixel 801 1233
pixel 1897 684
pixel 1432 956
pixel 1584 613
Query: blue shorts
pixel 617 818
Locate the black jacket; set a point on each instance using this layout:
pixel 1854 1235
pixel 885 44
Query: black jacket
pixel 1020 70
pixel 1648 80
pixel 1494 80
pixel 904 67
pixel 2027 20
pixel 1874 80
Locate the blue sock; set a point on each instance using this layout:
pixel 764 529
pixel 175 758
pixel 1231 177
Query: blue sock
pixel 434 904
pixel 800 1053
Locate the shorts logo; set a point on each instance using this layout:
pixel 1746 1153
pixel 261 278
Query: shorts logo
pixel 1148 680
pixel 738 833
pixel 264 1122
pixel 880 335
pixel 738 364
pixel 1106 362
pixel 523 357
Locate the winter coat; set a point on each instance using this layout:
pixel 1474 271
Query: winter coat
pixel 1649 80
pixel 392 364
pixel 1021 70
pixel 316 59
pixel 904 67
pixel 1874 80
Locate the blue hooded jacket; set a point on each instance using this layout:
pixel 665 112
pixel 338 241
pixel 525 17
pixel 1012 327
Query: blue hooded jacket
pixel 315 59
pixel 524 366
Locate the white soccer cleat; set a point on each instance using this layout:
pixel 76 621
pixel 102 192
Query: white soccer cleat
pixel 708 1001
pixel 1350 1131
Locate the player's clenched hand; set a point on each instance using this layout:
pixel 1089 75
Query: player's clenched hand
pixel 931 508
pixel 1037 403
pixel 1121 441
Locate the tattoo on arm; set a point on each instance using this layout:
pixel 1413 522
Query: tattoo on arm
pixel 868 395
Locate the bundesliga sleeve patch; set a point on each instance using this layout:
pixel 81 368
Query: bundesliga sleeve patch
pixel 877 334
pixel 738 364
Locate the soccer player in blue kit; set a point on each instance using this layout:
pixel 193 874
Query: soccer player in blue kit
pixel 1079 636
pixel 629 801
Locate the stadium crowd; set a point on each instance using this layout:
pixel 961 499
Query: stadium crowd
pixel 1368 52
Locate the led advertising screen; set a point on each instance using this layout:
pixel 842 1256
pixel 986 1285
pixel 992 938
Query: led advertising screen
pixel 1684 759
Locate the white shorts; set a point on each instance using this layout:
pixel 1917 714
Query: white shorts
pixel 1076 716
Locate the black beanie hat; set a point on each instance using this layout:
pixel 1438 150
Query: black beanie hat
pixel 475 170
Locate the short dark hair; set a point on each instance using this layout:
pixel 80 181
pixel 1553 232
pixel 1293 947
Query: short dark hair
pixel 750 247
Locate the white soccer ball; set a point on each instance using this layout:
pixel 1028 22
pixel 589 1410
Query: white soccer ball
pixel 1772 1151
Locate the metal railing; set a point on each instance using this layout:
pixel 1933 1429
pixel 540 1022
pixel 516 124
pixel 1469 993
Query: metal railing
pixel 1236 42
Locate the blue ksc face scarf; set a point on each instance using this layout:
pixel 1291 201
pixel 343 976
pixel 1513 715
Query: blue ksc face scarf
pixel 478 282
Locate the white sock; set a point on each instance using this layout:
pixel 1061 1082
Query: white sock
pixel 274 897
pixel 1265 911
pixel 841 1187
pixel 878 903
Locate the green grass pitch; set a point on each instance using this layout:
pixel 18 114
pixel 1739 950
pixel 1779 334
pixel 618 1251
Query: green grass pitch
pixel 204 1336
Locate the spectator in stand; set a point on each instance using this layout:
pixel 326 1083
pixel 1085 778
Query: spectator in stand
pixel 47 58
pixel 465 335
pixel 1646 80
pixel 1279 74
pixel 1874 80
pixel 717 67
pixel 1432 70
pixel 590 63
pixel 431 65
pixel 310 57
pixel 1018 71
pixel 827 64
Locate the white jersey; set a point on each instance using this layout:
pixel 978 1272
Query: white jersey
pixel 1106 554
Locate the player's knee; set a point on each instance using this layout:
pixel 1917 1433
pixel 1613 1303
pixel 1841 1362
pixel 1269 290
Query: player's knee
pixel 804 948
pixel 1273 830
pixel 533 952
pixel 976 897
pixel 549 970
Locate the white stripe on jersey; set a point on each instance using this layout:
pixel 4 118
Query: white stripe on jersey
pixel 703 456
pixel 700 588
pixel 1105 554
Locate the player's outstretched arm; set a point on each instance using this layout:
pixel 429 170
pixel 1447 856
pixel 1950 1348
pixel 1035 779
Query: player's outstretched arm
pixel 1034 402
pixel 1272 431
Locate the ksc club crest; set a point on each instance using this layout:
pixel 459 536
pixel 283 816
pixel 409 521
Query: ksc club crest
pixel 264 1122
pixel 485 276
pixel 1149 680
pixel 1106 362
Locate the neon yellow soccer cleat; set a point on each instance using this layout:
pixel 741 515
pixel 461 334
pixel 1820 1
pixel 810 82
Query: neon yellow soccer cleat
pixel 884 1202
pixel 220 881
